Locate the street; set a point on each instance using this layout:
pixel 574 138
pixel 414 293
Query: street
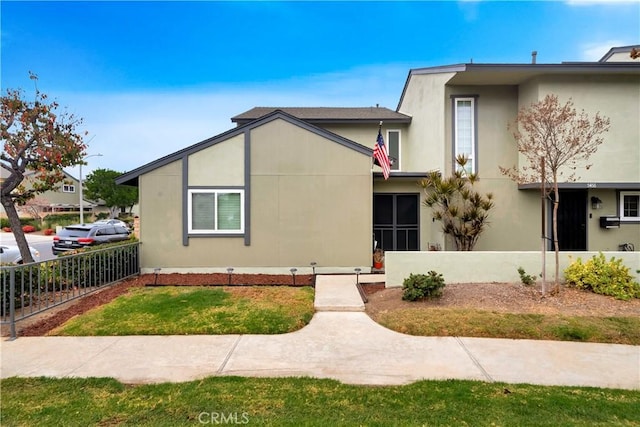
pixel 41 243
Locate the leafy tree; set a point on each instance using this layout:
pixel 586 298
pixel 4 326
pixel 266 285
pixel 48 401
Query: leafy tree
pixel 36 139
pixel 462 210
pixel 100 184
pixel 554 139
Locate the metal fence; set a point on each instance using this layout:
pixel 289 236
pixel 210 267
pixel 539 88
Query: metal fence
pixel 33 288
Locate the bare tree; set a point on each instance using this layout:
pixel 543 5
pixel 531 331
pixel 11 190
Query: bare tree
pixel 35 207
pixel 555 140
pixel 462 211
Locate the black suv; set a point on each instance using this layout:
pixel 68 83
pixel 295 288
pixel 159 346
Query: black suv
pixel 82 235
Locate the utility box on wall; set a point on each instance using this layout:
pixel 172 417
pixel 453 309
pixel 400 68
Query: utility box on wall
pixel 609 222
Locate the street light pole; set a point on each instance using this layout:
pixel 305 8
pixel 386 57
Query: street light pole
pixel 80 190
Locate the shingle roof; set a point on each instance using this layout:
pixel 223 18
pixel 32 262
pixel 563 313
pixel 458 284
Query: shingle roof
pixel 328 114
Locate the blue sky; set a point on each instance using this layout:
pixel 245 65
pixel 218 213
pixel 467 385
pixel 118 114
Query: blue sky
pixel 150 78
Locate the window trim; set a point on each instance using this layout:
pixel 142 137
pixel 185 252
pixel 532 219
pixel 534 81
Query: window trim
pixel 621 206
pixel 68 188
pixel 191 231
pixel 473 158
pixel 399 131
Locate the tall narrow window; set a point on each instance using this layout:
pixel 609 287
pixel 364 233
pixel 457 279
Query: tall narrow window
pixel 393 139
pixel 464 123
pixel 216 211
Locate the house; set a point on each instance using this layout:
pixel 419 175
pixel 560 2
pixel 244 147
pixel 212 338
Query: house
pixel 290 186
pixel 64 198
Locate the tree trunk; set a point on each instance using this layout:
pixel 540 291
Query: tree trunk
pixel 16 227
pixel 556 245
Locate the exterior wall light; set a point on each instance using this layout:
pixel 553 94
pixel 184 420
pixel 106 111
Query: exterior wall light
pixel 596 203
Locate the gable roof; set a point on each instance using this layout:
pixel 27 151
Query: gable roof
pixel 515 74
pixel 131 178
pixel 328 114
pixel 621 49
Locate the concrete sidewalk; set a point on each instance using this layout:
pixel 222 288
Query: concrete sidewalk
pixel 341 342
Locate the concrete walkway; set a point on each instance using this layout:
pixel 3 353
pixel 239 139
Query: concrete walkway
pixel 341 342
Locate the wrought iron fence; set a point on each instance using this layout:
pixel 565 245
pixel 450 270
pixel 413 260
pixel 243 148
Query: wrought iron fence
pixel 30 289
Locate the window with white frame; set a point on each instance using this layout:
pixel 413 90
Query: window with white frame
pixel 216 211
pixel 630 206
pixel 464 124
pixel 393 140
pixel 68 188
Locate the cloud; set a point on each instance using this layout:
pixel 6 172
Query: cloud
pixel 596 50
pixel 135 128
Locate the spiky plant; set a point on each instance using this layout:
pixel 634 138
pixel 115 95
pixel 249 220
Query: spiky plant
pixel 462 211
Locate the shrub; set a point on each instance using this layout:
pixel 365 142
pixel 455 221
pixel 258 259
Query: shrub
pixel 28 228
pixel 419 286
pixel 526 278
pixel 48 232
pixel 4 223
pixel 607 278
pixel 6 229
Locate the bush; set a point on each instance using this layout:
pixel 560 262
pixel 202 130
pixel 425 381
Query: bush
pixel 28 228
pixel 420 286
pixel 6 229
pixel 526 279
pixel 607 278
pixel 51 221
pixel 48 232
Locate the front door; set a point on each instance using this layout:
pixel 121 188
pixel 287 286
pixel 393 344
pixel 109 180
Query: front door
pixel 396 219
pixel 572 220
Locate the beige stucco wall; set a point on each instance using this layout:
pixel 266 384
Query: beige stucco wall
pixel 426 101
pixel 477 267
pixel 310 200
pixel 218 165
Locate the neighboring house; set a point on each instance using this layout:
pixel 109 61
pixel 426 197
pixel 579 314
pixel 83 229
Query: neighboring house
pixel 289 186
pixel 65 198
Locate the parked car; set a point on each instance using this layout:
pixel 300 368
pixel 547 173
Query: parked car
pixel 11 254
pixel 82 235
pixel 113 222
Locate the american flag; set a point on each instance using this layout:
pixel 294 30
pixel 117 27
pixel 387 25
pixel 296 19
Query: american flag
pixel 381 155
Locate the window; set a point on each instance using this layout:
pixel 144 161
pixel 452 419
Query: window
pixel 68 188
pixel 216 211
pixel 464 131
pixel 630 206
pixel 393 139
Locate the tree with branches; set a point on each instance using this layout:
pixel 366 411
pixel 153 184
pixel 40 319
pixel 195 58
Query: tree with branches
pixel 555 139
pixel 100 184
pixel 34 139
pixel 462 211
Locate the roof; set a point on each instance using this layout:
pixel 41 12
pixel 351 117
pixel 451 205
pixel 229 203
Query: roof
pixel 328 114
pixel 131 178
pixel 515 74
pixel 621 49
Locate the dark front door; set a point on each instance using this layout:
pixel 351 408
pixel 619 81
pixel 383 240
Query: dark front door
pixel 572 220
pixel 396 219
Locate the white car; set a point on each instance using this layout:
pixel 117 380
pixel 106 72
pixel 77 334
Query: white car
pixel 11 254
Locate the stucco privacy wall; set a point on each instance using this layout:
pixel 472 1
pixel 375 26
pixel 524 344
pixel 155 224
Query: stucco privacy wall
pixel 477 267
pixel 310 200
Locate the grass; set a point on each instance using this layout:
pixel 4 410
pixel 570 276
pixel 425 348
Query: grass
pixel 309 402
pixel 179 310
pixel 478 323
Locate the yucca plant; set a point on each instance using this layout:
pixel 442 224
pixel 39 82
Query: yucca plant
pixel 462 211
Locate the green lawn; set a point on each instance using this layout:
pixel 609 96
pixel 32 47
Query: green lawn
pixel 478 323
pixel 309 402
pixel 179 310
